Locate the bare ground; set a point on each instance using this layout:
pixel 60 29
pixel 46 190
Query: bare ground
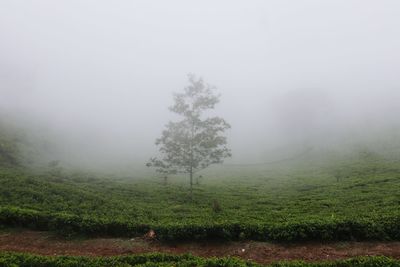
pixel 45 243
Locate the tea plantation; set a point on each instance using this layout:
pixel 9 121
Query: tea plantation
pixel 354 198
pixel 158 260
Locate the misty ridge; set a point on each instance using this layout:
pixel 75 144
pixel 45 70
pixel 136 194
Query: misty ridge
pixel 94 93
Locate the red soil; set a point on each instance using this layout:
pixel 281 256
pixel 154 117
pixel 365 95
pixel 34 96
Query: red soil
pixel 45 243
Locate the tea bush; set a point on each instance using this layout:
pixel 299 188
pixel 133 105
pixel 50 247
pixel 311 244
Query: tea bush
pixel 273 204
pixel 158 260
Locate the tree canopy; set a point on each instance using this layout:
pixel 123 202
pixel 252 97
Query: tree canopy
pixel 196 141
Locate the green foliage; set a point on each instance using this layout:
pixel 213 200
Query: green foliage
pixel 274 204
pixel 8 147
pixel 16 149
pixel 158 260
pixel 194 142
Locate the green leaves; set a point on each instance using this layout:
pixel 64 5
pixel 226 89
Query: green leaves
pixel 197 97
pixel 282 205
pixel 316 230
pixel 195 142
pixel 10 259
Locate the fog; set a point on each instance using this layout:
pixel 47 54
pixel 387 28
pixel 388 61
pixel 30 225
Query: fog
pixel 94 79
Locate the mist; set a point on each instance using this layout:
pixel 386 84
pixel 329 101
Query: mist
pixel 94 79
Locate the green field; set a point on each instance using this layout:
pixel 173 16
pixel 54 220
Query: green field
pixel 356 197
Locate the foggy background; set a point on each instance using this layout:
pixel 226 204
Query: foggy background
pixel 93 80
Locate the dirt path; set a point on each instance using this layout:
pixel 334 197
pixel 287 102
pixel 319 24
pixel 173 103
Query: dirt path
pixel 45 243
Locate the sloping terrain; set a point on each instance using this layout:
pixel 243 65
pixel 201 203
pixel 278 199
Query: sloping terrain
pixel 355 199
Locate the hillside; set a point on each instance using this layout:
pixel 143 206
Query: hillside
pixel 356 198
pixel 9 153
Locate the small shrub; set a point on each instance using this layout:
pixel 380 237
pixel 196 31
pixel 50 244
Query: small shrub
pixel 216 207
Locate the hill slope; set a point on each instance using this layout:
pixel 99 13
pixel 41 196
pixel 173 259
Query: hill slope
pixel 353 199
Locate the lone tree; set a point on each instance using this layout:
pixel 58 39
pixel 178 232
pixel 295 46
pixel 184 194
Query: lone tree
pixel 196 141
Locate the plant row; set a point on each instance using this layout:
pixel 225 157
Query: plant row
pixel 383 228
pixel 9 259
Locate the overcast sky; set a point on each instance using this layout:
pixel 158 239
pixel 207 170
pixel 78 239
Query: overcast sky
pixel 103 72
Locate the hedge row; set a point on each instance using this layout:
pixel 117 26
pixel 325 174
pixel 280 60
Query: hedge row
pixel 9 259
pixel 387 228
pixel 22 260
pixel 68 224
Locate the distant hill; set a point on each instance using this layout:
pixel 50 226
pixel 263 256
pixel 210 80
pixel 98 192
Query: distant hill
pixel 8 145
pixel 16 149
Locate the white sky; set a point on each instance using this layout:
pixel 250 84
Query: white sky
pixel 102 72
